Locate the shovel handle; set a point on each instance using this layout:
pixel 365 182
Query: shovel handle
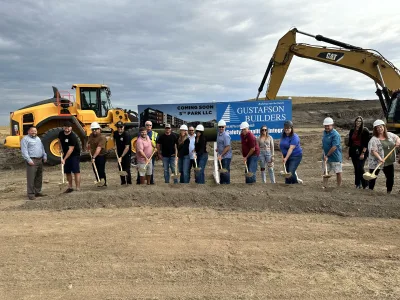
pixel 220 164
pixel 377 167
pixel 95 168
pixel 247 170
pixel 120 167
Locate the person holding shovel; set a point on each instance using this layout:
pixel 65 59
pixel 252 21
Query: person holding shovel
pixel 332 153
pixel 144 151
pixel 167 152
pixel 192 138
pixel 33 152
pixel 201 154
pixel 71 154
pixel 224 152
pixel 96 145
pixel 380 145
pixel 358 146
pixel 266 158
pixel 183 154
pixel 292 153
pixel 250 152
pixel 123 148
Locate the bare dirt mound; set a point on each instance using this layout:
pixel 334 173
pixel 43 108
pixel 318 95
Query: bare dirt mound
pixel 237 197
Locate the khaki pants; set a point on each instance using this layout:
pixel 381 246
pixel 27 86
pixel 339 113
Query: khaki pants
pixel 34 176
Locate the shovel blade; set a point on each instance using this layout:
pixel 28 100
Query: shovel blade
pixel 249 174
pixel 122 173
pixel 223 171
pixel 326 176
pixel 100 183
pixel 368 176
pixel 197 169
pixel 62 185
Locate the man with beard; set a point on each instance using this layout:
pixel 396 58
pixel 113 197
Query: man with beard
pixel 122 144
pixel 97 147
pixel 70 156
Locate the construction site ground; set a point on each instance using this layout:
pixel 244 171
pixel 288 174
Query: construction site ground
pixel 237 241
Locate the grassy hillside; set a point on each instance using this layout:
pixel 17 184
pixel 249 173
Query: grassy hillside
pixel 300 100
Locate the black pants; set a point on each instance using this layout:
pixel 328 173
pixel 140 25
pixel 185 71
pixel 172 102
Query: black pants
pixel 389 173
pixel 100 162
pixel 358 165
pixel 126 166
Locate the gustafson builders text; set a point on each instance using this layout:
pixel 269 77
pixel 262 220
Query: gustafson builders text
pixel 262 113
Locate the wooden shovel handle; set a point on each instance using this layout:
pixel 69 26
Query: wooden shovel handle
pixel 384 159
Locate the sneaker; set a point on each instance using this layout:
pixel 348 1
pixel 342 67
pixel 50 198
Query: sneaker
pixel 31 197
pixel 69 190
pixel 40 195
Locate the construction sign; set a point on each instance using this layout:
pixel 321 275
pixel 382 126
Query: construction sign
pixel 190 114
pixel 272 113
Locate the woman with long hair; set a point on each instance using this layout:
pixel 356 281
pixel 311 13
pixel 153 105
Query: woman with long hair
pixel 201 156
pixel 292 153
pixel 266 158
pixel 381 143
pixel 358 146
pixel 183 154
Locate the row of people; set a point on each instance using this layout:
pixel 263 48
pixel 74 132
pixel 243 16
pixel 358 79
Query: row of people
pixel 181 153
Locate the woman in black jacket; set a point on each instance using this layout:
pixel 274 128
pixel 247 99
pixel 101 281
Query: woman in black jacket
pixel 358 146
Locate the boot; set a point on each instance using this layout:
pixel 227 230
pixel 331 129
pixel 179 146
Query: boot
pixel 148 179
pixel 263 177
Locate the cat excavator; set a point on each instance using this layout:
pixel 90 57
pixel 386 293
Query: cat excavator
pixel 366 61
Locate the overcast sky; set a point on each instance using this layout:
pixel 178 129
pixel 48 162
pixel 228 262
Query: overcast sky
pixel 181 51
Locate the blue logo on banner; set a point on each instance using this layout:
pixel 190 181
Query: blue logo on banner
pixel 272 113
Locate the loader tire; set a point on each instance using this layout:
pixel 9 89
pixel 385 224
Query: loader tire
pixel 133 135
pixel 52 145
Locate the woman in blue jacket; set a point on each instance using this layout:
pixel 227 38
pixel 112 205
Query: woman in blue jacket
pixel 292 152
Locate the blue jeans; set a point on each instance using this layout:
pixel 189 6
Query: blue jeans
pixel 291 166
pixel 184 166
pixel 201 163
pixel 225 178
pixel 252 166
pixel 169 163
pixel 265 159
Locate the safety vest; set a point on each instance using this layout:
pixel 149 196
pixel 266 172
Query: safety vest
pixel 154 136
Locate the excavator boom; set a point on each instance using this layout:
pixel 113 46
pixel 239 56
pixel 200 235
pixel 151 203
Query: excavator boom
pixel 366 61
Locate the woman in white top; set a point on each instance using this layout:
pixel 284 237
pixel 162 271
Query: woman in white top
pixel 379 146
pixel 266 144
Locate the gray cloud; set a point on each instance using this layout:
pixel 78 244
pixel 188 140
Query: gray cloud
pixel 172 51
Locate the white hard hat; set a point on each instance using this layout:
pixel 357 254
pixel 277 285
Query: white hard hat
pixel 328 121
pixel 378 122
pixel 199 127
pixel 183 127
pixel 94 125
pixel 221 123
pixel 244 125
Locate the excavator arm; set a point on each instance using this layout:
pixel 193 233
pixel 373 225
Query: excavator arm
pixel 366 61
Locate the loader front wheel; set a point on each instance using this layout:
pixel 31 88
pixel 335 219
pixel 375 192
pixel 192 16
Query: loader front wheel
pixel 52 145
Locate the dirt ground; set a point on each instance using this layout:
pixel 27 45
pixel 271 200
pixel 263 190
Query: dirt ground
pixel 240 241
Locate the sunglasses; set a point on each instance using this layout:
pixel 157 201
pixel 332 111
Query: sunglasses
pixel 221 127
pixel 148 125
pixel 120 127
pixel 263 129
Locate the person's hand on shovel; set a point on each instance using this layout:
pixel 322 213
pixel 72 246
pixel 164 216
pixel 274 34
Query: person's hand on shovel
pixel 245 160
pixel 284 160
pixel 120 159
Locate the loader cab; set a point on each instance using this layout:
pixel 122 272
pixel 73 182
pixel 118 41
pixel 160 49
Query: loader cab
pixel 95 99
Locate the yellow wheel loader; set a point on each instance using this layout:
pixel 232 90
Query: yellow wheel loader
pixel 91 103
